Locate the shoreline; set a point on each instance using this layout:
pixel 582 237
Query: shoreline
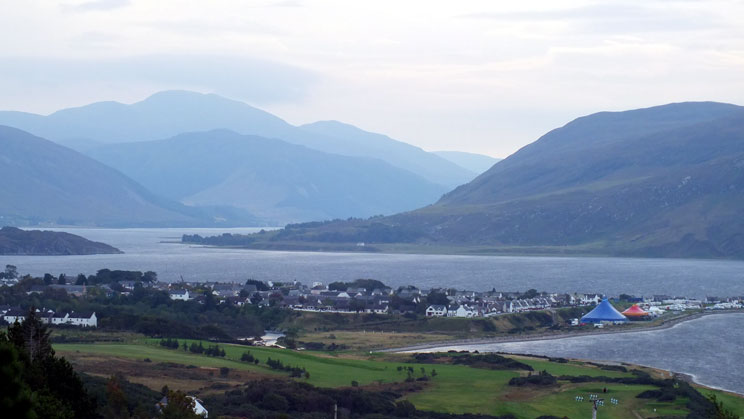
pixel 666 324
pixel 686 376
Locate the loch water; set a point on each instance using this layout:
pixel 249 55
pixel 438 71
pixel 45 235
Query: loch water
pixel 160 250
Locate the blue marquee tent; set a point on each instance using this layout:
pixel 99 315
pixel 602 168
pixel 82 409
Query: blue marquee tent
pixel 604 312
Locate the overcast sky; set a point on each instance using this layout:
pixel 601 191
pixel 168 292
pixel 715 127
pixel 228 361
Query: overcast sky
pixel 481 76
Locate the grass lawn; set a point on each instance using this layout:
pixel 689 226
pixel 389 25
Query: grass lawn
pixel 730 401
pixel 357 341
pixel 455 388
pixel 570 368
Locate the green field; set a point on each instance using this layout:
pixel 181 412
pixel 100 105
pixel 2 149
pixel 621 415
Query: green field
pixel 455 389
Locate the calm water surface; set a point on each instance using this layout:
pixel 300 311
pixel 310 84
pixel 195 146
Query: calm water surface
pixel 711 349
pixel 153 249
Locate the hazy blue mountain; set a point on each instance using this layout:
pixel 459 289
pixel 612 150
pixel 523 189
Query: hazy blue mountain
pixel 363 143
pixel 169 113
pixel 271 178
pixel 43 182
pixel 662 181
pixel 476 163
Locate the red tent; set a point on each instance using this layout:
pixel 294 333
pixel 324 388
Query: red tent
pixel 635 311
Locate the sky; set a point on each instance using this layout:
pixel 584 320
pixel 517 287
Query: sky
pixel 480 76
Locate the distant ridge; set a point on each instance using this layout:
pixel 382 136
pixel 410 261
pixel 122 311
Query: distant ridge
pixel 170 113
pixel 271 178
pixel 14 241
pixel 476 163
pixel 44 183
pixel 358 142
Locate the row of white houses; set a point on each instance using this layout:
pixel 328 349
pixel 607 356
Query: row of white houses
pixel 489 309
pixel 82 319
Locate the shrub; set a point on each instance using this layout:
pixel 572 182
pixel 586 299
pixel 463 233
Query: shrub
pixel 542 379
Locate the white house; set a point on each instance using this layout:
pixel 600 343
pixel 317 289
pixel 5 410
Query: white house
pixel 589 299
pixel 436 311
pixel 15 315
pixel 199 409
pixel 464 311
pixel 181 295
pixel 59 318
pixel 84 319
pixel 381 308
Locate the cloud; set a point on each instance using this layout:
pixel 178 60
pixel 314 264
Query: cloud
pixel 287 3
pixel 97 5
pixel 256 81
pixel 612 17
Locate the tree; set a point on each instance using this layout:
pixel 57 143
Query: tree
pixel 260 285
pixel 437 298
pixel 31 336
pixel 179 406
pixel 256 298
pixel 404 409
pixel 530 293
pixel 11 272
pixel 357 305
pixel 15 395
pixel 116 398
pixel 718 411
pixel 338 286
pixel 150 276
pixel 81 280
pixel 48 279
pixel 58 390
pixel 62 279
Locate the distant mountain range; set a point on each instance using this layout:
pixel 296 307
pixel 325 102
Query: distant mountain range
pixel 14 241
pixel 46 183
pixel 272 179
pixel 204 160
pixel 170 113
pixel 476 163
pixel 662 181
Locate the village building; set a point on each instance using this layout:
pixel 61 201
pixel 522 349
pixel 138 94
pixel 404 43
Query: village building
pixel 15 315
pixel 179 295
pixel 83 319
pixel 199 408
pixel 436 311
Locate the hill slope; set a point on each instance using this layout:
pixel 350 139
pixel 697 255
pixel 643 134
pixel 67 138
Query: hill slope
pixel 662 181
pixel 358 142
pixel 167 114
pixel 476 163
pixel 270 178
pixel 14 241
pixel 43 182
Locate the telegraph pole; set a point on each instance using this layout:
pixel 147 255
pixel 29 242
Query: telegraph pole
pixel 594 409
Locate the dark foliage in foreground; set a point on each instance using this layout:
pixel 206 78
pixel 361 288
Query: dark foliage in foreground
pixel 277 398
pixel 39 384
pixel 116 397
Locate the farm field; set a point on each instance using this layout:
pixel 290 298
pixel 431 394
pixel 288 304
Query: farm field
pixel 454 389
